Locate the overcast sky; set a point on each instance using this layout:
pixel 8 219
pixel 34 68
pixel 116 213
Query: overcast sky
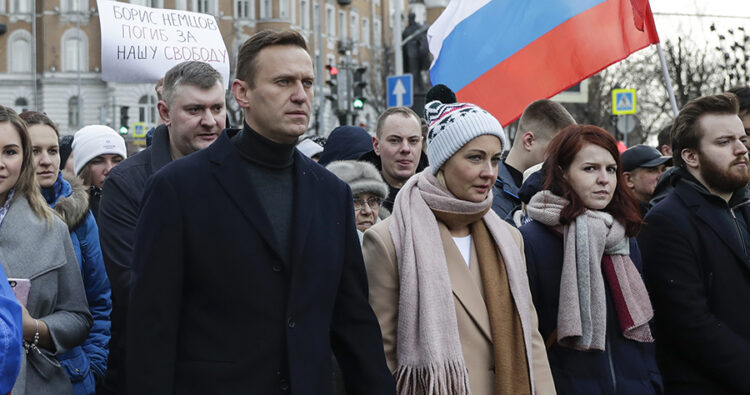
pixel 689 23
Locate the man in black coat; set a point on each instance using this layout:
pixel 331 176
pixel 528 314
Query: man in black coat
pixel 696 253
pixel 193 112
pixel 248 270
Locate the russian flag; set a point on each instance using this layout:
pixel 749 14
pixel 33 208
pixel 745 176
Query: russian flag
pixel 504 54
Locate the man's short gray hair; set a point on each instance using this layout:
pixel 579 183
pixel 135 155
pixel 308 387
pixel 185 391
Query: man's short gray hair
pixel 195 73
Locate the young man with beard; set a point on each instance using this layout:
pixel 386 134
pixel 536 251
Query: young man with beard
pixel 696 254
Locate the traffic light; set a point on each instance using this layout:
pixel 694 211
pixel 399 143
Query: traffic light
pixel 333 85
pixel 359 84
pixel 124 117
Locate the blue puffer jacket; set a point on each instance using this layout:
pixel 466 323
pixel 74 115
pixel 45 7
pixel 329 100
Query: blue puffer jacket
pixel 86 363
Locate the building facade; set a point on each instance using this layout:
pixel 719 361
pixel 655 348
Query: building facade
pixel 52 52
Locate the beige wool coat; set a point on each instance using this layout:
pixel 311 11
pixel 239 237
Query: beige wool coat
pixel 471 311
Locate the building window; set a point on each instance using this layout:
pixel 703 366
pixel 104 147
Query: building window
pixel 284 10
pixel 365 31
pixel 354 26
pixel 75 51
pixel 147 109
pixel 342 25
pixel 242 9
pixel 266 9
pixel 21 105
pixel 180 5
pixel 304 14
pixel 205 6
pixel 74 6
pixel 73 119
pixel 376 32
pixel 20 47
pixel 149 3
pixel 330 22
pixel 20 6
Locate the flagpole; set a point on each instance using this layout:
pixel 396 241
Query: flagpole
pixel 667 80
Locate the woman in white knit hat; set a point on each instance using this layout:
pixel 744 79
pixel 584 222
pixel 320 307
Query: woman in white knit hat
pixel 96 150
pixel 368 190
pixel 447 276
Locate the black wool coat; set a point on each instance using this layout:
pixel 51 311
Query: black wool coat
pixel 697 267
pixel 118 214
pixel 214 309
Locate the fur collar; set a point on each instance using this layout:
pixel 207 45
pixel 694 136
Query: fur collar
pixel 73 209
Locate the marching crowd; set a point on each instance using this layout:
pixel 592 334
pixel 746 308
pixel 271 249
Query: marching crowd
pixel 432 257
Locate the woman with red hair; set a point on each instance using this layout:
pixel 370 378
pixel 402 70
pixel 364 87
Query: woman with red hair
pixel 584 269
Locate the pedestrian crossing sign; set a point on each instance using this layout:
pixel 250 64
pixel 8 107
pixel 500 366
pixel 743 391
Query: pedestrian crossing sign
pixel 623 101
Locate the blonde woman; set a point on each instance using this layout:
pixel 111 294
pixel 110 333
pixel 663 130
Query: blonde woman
pixel 447 276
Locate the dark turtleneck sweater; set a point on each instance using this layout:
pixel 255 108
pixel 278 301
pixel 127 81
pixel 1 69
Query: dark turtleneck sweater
pixel 271 173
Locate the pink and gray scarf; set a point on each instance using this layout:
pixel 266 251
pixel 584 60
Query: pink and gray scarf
pixel 595 250
pixel 429 354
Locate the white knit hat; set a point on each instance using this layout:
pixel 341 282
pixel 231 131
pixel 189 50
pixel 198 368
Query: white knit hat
pixel 451 126
pixel 94 140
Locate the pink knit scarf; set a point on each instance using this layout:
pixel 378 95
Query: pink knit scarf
pixel 428 347
pixel 595 250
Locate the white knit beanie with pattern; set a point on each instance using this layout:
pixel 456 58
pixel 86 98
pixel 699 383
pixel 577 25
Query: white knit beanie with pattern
pixel 94 140
pixel 451 126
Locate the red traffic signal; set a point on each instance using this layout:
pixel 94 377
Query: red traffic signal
pixel 332 70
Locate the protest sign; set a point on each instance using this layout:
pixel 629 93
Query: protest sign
pixel 139 44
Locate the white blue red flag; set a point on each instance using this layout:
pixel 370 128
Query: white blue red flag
pixel 504 54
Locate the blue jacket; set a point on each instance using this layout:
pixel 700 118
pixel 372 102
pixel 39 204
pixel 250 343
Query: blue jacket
pixel 87 362
pixel 625 367
pixel 505 198
pixel 11 337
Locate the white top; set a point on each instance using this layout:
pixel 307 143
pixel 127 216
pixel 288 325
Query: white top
pixel 464 246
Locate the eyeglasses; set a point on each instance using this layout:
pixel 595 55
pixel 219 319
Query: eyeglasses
pixel 373 202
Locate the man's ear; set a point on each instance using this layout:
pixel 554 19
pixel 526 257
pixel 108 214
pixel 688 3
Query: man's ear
pixel 164 112
pixel 690 157
pixel 376 145
pixel 628 179
pixel 240 91
pixel 528 140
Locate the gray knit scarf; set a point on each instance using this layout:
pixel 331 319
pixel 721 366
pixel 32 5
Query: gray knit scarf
pixel 595 250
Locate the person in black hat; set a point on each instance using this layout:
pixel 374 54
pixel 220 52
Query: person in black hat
pixel 642 166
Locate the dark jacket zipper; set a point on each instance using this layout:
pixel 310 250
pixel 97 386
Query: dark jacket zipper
pixel 739 232
pixel 611 365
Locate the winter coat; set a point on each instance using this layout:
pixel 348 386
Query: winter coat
pixel 505 200
pixel 696 257
pixel 42 251
pixel 472 316
pixel 87 363
pixel 227 314
pixel 625 367
pixel 120 205
pixel 11 336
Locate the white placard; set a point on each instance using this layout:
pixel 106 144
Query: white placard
pixel 139 44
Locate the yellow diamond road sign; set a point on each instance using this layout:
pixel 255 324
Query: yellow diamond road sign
pixel 623 101
pixel 139 130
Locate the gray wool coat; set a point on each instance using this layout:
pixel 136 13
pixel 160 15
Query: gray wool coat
pixel 43 252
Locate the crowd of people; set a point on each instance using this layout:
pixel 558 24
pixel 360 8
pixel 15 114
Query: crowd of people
pixel 433 256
